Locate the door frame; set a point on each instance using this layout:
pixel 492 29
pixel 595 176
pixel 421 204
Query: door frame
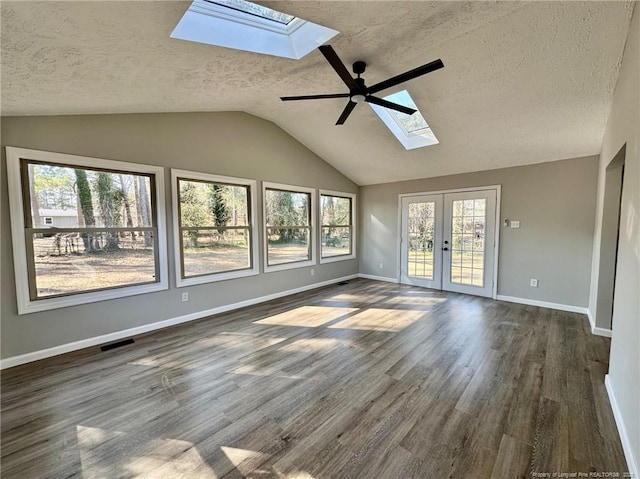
pixel 498 190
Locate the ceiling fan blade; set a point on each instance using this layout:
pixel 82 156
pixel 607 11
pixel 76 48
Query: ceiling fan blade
pixel 387 104
pixel 346 112
pixel 333 59
pixel 403 77
pixel 314 97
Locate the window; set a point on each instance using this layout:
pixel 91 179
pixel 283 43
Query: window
pixel 289 213
pixel 337 219
pixel 214 235
pixel 412 131
pixel 250 27
pixel 109 238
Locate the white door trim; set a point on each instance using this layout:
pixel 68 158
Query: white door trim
pixel 497 188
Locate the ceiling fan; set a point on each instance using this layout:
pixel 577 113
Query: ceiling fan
pixel 358 91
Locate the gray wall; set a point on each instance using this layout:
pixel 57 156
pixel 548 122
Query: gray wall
pixel 555 203
pixel 234 144
pixel 623 127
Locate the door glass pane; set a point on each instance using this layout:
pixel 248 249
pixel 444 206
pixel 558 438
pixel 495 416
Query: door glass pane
pixel 467 242
pixel 420 229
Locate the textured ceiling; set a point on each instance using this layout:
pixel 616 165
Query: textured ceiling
pixel 523 82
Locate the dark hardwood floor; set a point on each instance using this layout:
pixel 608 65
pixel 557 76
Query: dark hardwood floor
pixel 367 379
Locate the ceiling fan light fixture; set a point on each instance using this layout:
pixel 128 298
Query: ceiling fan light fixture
pixel 358 98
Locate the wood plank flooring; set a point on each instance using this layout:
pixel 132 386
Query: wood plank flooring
pixel 362 380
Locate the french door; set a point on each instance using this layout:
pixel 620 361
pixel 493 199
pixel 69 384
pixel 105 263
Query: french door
pixel 448 241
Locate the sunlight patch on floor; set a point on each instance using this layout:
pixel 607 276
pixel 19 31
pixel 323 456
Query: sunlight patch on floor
pixel 374 319
pixel 296 475
pixel 154 458
pixel 150 362
pixel 414 300
pixel 314 344
pixel 242 458
pixel 357 298
pixel 306 316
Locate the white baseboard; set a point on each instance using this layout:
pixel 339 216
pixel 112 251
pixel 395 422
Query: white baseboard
pixel 127 333
pixel 594 329
pixel 386 279
pixel 607 333
pixel 544 304
pixel 622 430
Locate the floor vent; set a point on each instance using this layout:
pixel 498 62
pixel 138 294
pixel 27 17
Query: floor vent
pixel 342 283
pixel 107 347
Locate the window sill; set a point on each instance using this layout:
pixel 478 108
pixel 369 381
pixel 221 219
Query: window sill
pixel 26 305
pixel 335 259
pixel 214 278
pixel 286 266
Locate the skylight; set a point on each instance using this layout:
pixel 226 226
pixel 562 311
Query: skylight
pixel 250 27
pixel 255 9
pixel 412 131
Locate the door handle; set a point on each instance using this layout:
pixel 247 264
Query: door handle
pixel 445 249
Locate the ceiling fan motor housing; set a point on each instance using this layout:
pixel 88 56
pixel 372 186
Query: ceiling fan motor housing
pixel 359 67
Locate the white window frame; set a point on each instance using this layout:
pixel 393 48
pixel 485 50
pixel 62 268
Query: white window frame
pixel 253 248
pixel 344 257
pixel 312 227
pixel 16 210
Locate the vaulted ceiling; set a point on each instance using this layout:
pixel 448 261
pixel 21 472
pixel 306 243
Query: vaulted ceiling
pixel 524 82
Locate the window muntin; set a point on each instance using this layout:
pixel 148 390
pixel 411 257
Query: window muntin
pixel 95 248
pixel 289 220
pixel 215 227
pixel 337 215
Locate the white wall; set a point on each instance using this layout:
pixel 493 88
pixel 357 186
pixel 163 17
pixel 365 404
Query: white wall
pixel 623 127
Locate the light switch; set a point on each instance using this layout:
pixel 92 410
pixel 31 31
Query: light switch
pixel 515 223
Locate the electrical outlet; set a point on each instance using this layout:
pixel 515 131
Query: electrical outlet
pixel 515 223
pixel 533 283
pixel 313 271
pixel 185 297
pixel 381 265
